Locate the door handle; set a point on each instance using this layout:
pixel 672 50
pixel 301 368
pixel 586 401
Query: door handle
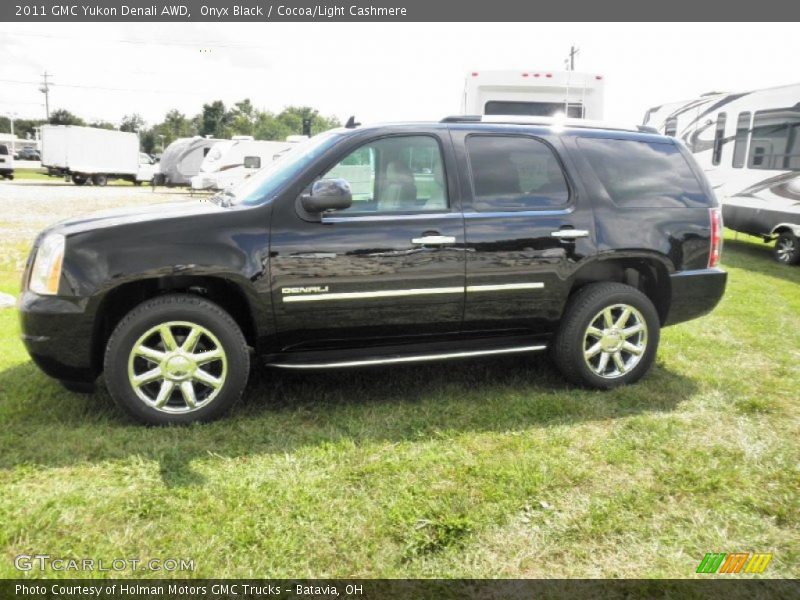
pixel 567 234
pixel 434 240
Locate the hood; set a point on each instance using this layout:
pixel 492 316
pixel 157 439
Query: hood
pixel 138 214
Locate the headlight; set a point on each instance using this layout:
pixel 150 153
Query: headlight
pixel 46 272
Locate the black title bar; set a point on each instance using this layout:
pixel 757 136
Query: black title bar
pixel 399 10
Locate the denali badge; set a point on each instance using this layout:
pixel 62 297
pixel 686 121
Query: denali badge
pixel 312 289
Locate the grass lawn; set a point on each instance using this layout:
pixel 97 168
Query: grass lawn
pixel 490 468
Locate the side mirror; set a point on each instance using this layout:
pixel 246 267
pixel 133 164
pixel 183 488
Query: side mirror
pixel 327 194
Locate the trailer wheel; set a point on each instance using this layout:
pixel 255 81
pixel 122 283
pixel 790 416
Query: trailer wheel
pixel 787 249
pixel 100 179
pixel 79 179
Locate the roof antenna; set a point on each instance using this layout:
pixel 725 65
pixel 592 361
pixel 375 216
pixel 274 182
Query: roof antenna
pixel 351 123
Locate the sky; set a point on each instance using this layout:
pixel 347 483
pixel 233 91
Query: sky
pixel 375 71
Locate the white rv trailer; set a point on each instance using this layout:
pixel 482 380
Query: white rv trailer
pixel 181 160
pixel 230 161
pixel 748 143
pixel 534 94
pixel 90 154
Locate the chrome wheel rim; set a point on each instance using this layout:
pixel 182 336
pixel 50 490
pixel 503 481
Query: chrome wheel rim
pixel 177 367
pixel 784 249
pixel 615 341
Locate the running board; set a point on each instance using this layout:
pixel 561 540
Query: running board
pixel 413 358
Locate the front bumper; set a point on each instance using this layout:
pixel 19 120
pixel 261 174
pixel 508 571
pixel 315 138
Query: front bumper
pixel 694 294
pixel 58 334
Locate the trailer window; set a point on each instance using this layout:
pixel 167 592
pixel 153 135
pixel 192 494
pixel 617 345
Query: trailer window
pixel 515 173
pixel 671 127
pixel 533 109
pixel 740 142
pixel 775 140
pixel 643 174
pixel 719 138
pixel 252 162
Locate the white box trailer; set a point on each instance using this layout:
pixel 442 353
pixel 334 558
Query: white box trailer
pixel 534 94
pixel 6 162
pixel 89 154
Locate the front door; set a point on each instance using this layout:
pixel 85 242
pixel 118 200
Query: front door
pixel 390 268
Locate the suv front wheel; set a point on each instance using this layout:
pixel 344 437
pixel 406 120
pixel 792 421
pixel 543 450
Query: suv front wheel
pixel 176 359
pixel 608 337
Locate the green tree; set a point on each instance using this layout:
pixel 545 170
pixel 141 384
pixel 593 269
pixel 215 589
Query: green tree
pixel 62 116
pixel 102 125
pixel 243 118
pixel 133 122
pixel 214 120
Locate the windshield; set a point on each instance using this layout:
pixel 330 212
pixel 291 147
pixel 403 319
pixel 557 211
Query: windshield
pixel 264 184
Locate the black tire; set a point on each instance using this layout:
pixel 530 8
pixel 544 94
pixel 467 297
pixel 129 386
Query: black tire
pixel 79 179
pixel 78 387
pixel 100 179
pixel 573 339
pixel 787 249
pixel 176 308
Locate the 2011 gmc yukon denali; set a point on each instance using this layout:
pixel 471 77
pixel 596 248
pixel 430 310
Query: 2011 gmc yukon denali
pixel 380 245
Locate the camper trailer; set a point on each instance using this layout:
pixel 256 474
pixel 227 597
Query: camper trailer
pixel 748 143
pixel 6 162
pixel 85 154
pixel 181 160
pixel 230 161
pixel 533 94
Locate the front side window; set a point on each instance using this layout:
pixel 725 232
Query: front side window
pixel 740 142
pixel 3 150
pixel 775 141
pixel 719 138
pixel 515 173
pixel 395 174
pixel 643 174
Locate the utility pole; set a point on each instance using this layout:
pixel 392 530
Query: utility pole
pixel 45 89
pixel 570 62
pixel 13 140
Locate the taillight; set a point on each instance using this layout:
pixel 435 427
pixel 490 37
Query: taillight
pixel 716 237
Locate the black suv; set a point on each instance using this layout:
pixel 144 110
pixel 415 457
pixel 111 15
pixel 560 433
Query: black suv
pixel 382 245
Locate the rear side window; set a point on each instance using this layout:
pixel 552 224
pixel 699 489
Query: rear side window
pixel 515 173
pixel 643 174
pixel 3 150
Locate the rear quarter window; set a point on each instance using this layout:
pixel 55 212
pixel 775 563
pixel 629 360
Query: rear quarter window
pixel 638 174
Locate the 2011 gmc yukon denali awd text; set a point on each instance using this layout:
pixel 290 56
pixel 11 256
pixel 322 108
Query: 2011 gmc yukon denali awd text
pixel 379 245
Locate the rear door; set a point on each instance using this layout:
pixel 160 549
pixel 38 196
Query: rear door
pixel 390 268
pixel 528 226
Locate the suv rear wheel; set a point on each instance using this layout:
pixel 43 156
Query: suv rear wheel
pixel 176 359
pixel 608 337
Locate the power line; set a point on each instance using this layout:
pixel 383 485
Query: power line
pixel 95 87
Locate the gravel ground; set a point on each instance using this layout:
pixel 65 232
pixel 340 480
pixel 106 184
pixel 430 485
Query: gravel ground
pixel 26 207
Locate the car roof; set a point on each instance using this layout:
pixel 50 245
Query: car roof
pixel 534 125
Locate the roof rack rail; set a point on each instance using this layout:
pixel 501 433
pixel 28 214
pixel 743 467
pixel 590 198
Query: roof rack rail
pixel 547 122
